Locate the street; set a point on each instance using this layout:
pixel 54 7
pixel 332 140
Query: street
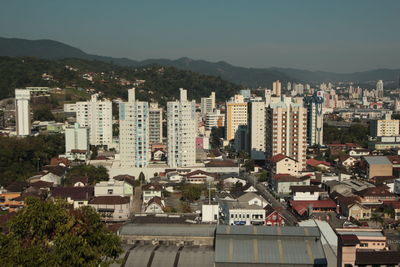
pixel 289 217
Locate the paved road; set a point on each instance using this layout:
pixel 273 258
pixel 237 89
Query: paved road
pixel 290 218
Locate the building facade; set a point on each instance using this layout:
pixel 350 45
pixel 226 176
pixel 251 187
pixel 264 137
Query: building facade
pixel 97 116
pixel 181 121
pixel 23 113
pixel 286 130
pixel 134 132
pixel 155 124
pixel 256 130
pixel 315 119
pixel 236 115
pixel 76 140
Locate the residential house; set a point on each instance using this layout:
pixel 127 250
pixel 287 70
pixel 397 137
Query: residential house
pixel 236 192
pixel 232 179
pixel 76 196
pixel 154 205
pixel 251 198
pixel 358 152
pixel 305 208
pixel 112 208
pixel 273 217
pixel 280 164
pixel 375 196
pixel 387 181
pixel 8 202
pixel 200 177
pixel 318 164
pixel 306 192
pixel 281 183
pixel 46 176
pixel 348 161
pixel 351 207
pixel 113 188
pixel 150 191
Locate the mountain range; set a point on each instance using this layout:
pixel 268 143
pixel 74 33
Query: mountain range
pixel 251 77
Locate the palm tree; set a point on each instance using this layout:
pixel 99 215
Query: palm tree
pixel 377 218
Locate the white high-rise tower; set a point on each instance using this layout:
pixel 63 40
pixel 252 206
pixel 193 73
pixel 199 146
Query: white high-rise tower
pixel 134 132
pixel 97 116
pixel 181 122
pixel 22 110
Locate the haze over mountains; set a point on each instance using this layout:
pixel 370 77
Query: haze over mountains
pixel 252 77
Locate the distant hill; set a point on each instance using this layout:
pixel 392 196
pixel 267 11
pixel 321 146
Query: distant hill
pixel 161 83
pixel 251 77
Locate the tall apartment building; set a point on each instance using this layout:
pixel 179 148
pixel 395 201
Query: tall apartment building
pixel 286 130
pixel 76 142
pixel 208 104
pixel 256 130
pixel 181 127
pixel 276 88
pixel 134 132
pixel 215 119
pixel 236 115
pixel 385 127
pixel 97 116
pixel 155 124
pixel 22 110
pixel 379 88
pixel 315 118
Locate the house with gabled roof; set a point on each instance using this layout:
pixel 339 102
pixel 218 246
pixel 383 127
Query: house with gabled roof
pixel 281 163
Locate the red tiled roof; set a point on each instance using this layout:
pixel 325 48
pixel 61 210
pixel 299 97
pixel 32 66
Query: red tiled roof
pixel 110 200
pixel 152 187
pixel 41 184
pixel 315 163
pixel 79 151
pixel 57 161
pixel 193 173
pixel 306 188
pixel 375 192
pixel 301 206
pixel 75 193
pixel 277 158
pixel 221 163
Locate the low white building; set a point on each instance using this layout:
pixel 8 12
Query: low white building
pixel 281 183
pixel 150 191
pixel 154 205
pixel 304 192
pixel 77 142
pixel 238 213
pixel 253 199
pixel 359 152
pixel 210 212
pixel 113 188
pixel 112 208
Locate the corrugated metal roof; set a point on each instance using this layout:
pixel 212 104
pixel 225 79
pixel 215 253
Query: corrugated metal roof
pixel 196 257
pixel 205 230
pixel 268 231
pixel 272 245
pixel 378 160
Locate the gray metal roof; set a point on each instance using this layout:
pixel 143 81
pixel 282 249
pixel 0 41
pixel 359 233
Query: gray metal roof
pixel 193 256
pixel 269 245
pixel 204 230
pixel 196 257
pixel 377 160
pixel 273 231
pixel 362 233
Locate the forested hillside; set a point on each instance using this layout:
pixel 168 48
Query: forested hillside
pixel 154 83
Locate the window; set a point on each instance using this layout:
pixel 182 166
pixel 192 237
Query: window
pixel 110 191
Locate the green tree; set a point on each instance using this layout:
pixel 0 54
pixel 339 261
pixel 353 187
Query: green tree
pixel 92 173
pixel 263 177
pixel 191 192
pixel 215 136
pixel 43 114
pixel 249 165
pixel 142 178
pixel 47 233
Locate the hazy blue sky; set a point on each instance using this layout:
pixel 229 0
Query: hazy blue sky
pixel 340 35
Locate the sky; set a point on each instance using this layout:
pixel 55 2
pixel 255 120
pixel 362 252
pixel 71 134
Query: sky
pixel 339 36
